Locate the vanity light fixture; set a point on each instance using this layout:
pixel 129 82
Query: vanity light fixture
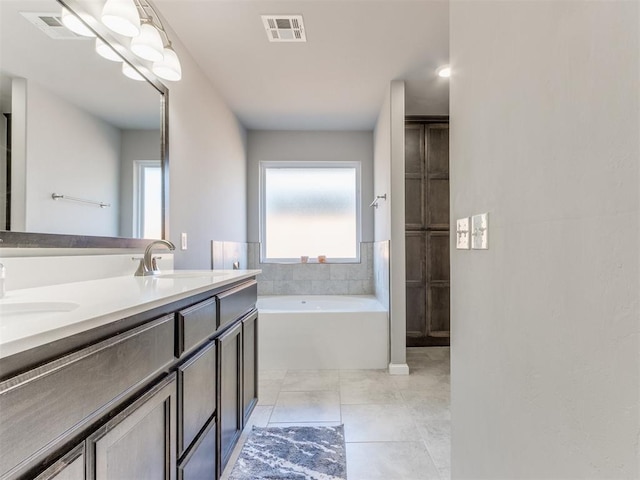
pixel 73 23
pixel 151 43
pixel 132 73
pixel 140 21
pixel 121 16
pixel 169 68
pixel 148 45
pixel 444 71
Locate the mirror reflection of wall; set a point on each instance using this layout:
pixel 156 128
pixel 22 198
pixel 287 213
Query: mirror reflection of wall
pixel 78 128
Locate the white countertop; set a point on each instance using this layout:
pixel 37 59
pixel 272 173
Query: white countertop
pixel 28 317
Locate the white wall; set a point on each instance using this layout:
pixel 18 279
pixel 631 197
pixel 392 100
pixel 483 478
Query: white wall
pixel 389 220
pixel 136 145
pixel 545 324
pixel 83 162
pixel 208 194
pixel 382 170
pixel 343 146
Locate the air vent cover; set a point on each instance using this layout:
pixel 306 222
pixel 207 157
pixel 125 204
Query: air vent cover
pixel 51 24
pixel 284 28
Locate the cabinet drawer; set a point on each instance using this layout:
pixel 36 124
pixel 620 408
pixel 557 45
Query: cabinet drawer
pixel 196 324
pixel 53 402
pixel 234 303
pixel 201 462
pixel 196 394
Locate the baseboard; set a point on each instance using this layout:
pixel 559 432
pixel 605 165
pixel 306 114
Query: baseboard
pixel 398 369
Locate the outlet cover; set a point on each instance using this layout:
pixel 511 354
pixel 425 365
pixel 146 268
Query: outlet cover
pixel 462 234
pixel 480 231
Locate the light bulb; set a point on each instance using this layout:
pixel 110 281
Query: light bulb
pixel 131 72
pixel 105 51
pixel 444 71
pixel 169 68
pixel 73 23
pixel 122 17
pixel 148 45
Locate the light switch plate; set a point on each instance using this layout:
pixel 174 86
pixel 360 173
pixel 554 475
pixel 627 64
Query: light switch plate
pixel 183 241
pixel 462 234
pixel 480 231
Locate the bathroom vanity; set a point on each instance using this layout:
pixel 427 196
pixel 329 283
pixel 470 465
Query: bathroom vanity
pixel 127 377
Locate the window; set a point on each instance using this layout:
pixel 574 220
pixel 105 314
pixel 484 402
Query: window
pixel 310 209
pixel 147 199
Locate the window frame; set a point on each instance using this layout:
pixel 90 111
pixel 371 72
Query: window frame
pixel 264 165
pixel 139 171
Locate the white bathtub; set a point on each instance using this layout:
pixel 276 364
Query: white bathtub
pixel 322 332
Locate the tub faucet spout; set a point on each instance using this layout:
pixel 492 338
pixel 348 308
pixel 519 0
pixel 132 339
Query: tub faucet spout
pixel 147 265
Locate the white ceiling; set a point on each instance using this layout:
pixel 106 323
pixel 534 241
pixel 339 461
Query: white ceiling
pixel 335 81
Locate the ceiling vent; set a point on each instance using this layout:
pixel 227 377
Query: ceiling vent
pixel 284 28
pixel 51 24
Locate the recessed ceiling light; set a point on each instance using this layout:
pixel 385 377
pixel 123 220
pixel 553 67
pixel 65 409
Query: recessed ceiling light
pixel 444 71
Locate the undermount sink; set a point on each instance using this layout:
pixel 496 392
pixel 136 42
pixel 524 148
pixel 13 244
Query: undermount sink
pixel 24 309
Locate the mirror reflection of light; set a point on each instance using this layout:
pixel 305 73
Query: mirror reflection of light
pixel 73 23
pixel 444 71
pixel 131 72
pixel 105 51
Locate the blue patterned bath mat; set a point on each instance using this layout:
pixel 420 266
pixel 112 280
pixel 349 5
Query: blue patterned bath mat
pixel 292 453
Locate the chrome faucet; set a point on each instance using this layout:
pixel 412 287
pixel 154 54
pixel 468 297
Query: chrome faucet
pixel 148 265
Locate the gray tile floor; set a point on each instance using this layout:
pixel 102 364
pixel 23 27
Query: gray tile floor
pixel 396 427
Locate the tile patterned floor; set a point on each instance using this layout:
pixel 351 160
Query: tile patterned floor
pixel 396 427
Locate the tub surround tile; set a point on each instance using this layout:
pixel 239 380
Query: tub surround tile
pixel 306 406
pixel 224 254
pixel 313 278
pixel 274 271
pixel 265 287
pixel 380 265
pixel 360 287
pixel 390 461
pixel 310 272
pixel 333 287
pixel 290 287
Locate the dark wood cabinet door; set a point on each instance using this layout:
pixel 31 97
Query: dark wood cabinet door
pixel 427 232
pixel 201 461
pixel 138 443
pixel 249 365
pixel 230 391
pixel 196 394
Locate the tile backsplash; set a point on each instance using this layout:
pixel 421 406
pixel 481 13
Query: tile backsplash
pixel 381 271
pixel 314 278
pixel 225 254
